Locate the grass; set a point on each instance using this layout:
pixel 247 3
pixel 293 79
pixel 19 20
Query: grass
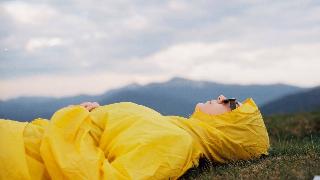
pixel 294 153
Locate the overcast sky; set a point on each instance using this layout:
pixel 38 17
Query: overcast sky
pixel 62 48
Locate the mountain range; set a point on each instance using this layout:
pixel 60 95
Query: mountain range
pixel 308 100
pixel 177 96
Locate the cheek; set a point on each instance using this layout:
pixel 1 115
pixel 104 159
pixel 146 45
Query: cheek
pixel 212 108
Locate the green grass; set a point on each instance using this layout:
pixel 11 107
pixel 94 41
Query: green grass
pixel 294 153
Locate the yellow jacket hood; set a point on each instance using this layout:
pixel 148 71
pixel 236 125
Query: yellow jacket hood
pixel 242 132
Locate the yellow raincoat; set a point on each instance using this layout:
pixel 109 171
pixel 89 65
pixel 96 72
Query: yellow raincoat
pixel 127 141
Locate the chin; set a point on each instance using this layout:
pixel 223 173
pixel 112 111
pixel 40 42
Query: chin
pixel 199 105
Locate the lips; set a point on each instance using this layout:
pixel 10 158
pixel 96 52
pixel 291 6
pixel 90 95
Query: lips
pixel 211 102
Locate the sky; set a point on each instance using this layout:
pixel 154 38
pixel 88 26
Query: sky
pixel 63 48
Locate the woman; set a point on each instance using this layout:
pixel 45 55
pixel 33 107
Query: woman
pixel 129 141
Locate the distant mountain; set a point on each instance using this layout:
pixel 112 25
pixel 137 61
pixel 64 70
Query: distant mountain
pixel 177 96
pixel 308 100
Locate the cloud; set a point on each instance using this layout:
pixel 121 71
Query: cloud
pixel 230 62
pixel 62 85
pixel 136 22
pixel 160 39
pixel 43 42
pixel 223 62
pixel 29 14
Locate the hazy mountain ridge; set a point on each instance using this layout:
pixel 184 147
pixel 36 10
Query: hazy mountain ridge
pixel 177 96
pixel 308 100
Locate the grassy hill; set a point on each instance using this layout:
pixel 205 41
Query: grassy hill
pixel 294 152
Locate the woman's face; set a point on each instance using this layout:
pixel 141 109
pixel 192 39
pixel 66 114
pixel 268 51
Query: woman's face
pixel 215 106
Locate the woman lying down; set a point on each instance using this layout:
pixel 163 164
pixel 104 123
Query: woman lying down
pixel 130 141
